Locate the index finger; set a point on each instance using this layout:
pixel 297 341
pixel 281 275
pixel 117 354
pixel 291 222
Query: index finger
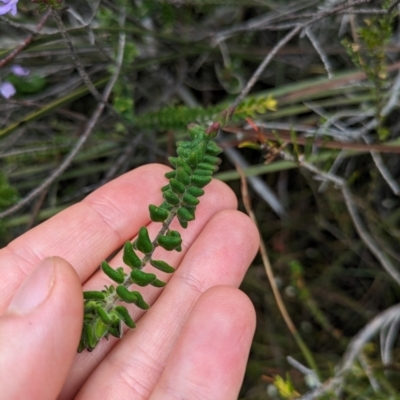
pixel 88 232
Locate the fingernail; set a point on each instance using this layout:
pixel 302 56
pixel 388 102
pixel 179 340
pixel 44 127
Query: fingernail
pixel 35 289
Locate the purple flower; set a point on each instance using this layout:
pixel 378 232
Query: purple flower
pixel 9 6
pixel 7 90
pixel 20 71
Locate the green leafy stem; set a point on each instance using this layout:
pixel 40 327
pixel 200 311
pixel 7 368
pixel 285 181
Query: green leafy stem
pixel 194 165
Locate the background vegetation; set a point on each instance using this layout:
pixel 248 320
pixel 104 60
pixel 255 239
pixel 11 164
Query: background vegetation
pixel 113 84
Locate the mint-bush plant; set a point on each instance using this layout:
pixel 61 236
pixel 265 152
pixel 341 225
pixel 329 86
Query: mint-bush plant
pixel 104 312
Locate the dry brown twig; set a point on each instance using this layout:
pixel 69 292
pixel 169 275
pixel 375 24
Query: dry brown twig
pixel 271 278
pixel 28 40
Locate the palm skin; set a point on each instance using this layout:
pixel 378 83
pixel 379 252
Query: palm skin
pixel 194 341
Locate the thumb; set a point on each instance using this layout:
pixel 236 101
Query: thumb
pixel 40 331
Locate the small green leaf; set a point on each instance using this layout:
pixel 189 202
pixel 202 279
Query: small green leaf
pixel 183 164
pixel 116 330
pixel 124 315
pixel 169 242
pixel 90 337
pixel 176 186
pixel 190 200
pixel 142 278
pixel 100 329
pixel 199 150
pixel 195 191
pixel 171 197
pixel 166 187
pixel 90 307
pixel 203 172
pixel 213 149
pixel 126 295
pixel 211 160
pixel 182 176
pixel 140 302
pixel 192 160
pixel 116 276
pixel 200 181
pixel 130 258
pixel 182 152
pixel 173 161
pixel 173 233
pixel 162 266
pixel 208 167
pixel 166 206
pixel 170 174
pixel 183 224
pixel 143 241
pixel 195 131
pixel 186 144
pixel 158 214
pixel 93 295
pixel 158 283
pixel 184 214
pixel 82 344
pixel 103 315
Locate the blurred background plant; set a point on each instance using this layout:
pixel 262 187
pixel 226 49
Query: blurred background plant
pixel 91 89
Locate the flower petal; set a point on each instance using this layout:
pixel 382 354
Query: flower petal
pixel 5 9
pixel 20 71
pixel 7 90
pixel 9 6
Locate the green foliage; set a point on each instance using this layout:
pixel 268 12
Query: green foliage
pixel 370 56
pixel 27 84
pixel 103 316
pixel 130 258
pixel 116 275
pixel 178 117
pixel 171 241
pixel 285 388
pixel 8 194
pixel 46 4
pixel 143 242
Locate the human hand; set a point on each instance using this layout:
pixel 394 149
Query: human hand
pixel 194 341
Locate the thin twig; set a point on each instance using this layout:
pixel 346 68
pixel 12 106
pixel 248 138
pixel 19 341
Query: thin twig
pixel 310 375
pixel 86 133
pixel 27 41
pixel 75 57
pixel 271 278
pixel 320 52
pixel 393 6
pixel 383 319
pixel 369 372
pixel 386 175
pixel 36 209
pixel 367 238
pixel 388 337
